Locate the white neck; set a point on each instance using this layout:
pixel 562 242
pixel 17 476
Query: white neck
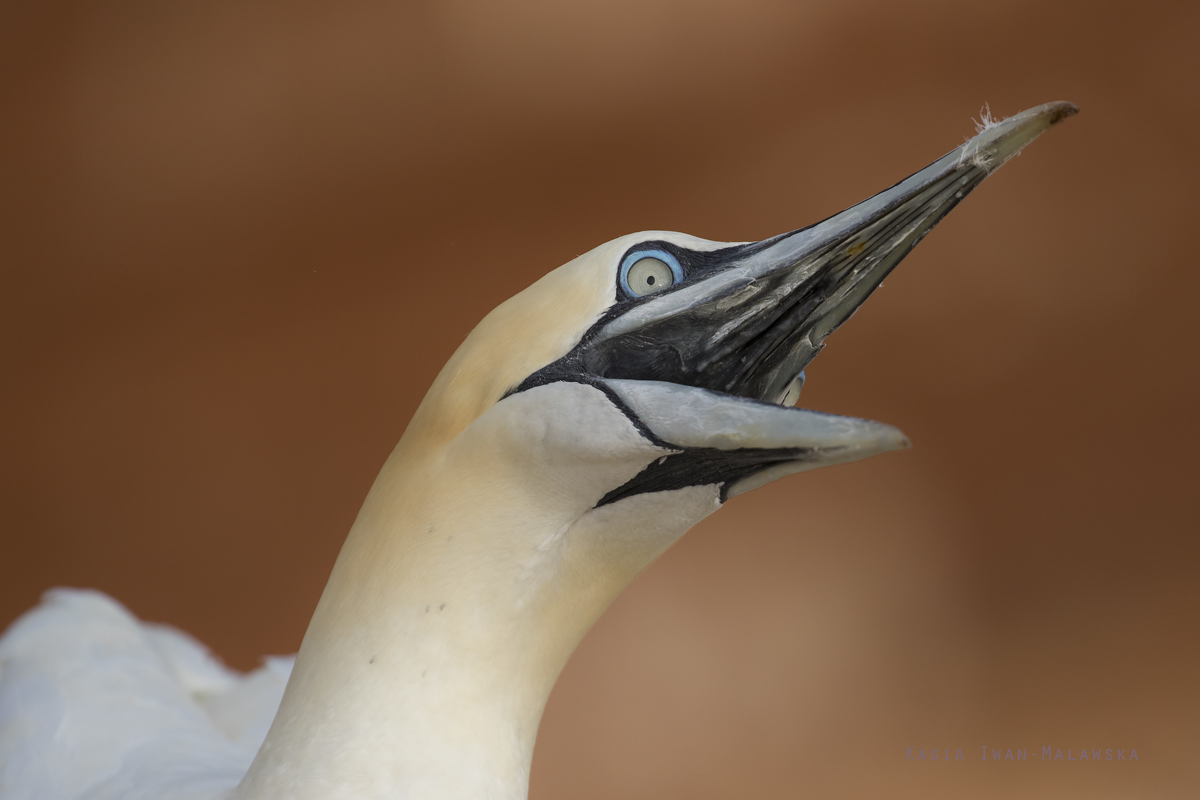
pixel 462 589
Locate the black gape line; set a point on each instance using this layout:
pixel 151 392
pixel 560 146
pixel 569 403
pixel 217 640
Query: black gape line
pixel 703 466
pixel 683 467
pixel 692 466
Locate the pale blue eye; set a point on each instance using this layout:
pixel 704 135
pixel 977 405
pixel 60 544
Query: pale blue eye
pixel 645 272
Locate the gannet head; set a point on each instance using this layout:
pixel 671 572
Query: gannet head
pixel 647 381
pixel 580 429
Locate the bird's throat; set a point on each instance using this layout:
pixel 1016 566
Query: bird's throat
pixel 410 682
pixel 456 601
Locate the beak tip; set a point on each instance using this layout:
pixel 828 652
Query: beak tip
pixel 1061 110
pixel 883 438
pixel 896 440
pixel 997 142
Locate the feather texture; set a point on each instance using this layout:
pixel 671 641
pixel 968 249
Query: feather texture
pixel 96 704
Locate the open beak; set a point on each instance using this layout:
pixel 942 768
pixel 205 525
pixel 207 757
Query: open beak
pixel 715 362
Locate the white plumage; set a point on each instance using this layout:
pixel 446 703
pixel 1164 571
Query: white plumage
pixel 97 704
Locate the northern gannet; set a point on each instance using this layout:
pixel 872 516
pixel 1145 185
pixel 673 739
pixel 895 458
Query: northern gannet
pixel 579 430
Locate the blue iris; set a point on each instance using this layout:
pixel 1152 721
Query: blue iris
pixel 638 255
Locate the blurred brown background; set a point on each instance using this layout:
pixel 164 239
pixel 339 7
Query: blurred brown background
pixel 238 240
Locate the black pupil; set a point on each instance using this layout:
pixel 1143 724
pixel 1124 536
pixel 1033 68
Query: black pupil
pixel 650 280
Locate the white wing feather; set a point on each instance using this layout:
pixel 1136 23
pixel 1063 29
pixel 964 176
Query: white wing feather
pixel 97 705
